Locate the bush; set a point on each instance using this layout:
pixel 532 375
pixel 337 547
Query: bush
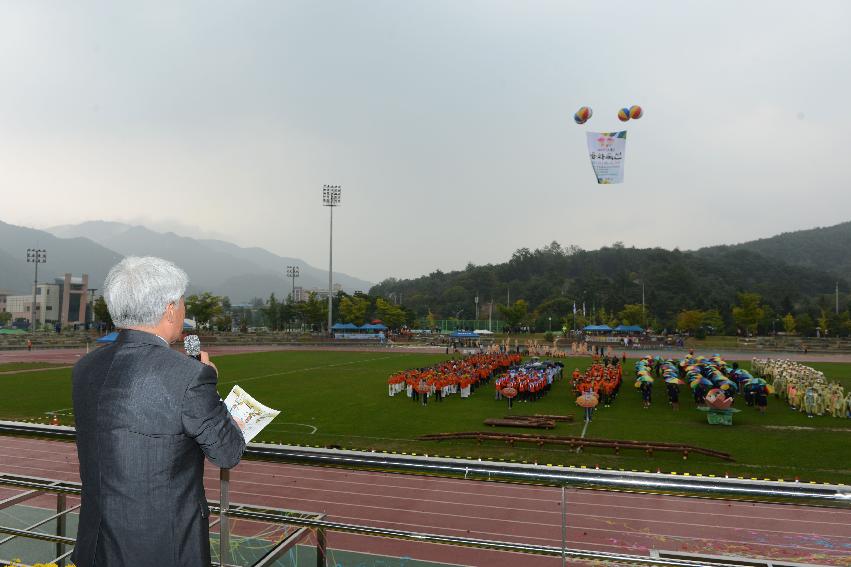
pixel 548 336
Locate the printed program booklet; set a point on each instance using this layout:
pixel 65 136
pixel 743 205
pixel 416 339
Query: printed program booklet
pixel 253 414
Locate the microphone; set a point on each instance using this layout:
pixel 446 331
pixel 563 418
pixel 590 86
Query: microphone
pixel 192 345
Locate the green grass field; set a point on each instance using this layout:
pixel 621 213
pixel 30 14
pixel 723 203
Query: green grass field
pixel 340 399
pixel 16 366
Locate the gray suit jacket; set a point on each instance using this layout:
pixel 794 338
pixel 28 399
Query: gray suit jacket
pixel 146 415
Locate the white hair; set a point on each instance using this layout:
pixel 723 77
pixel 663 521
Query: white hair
pixel 138 290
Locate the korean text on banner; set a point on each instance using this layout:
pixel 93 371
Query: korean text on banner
pixel 607 151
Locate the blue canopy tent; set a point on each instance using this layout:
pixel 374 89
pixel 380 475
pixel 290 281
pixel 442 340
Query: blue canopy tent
pixel 598 328
pixel 629 329
pixel 352 331
pixel 110 338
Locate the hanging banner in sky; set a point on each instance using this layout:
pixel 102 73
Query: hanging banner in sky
pixel 607 151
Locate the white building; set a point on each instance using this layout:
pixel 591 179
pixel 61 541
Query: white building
pixel 65 302
pixel 47 300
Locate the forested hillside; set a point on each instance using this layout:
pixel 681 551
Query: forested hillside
pixel 827 249
pixel 609 283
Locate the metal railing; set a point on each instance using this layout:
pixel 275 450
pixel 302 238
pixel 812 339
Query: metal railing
pixel 33 487
pixel 559 476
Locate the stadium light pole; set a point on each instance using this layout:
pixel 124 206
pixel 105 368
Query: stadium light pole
pixel 331 198
pixel 292 272
pixel 643 316
pixel 35 256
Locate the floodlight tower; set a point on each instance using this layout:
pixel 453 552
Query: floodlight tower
pixel 643 316
pixel 331 198
pixel 292 272
pixel 35 256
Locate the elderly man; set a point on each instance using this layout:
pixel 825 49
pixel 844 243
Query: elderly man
pixel 146 415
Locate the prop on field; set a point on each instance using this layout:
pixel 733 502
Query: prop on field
pixel 670 372
pixel 529 382
pixel 603 381
pixel 718 416
pixel 644 379
pixel 537 348
pixel 525 421
pixel 588 399
pixel 451 376
pixel 716 399
pixel 705 373
pixel 508 393
pixel 792 380
pixel 718 408
pixel 648 447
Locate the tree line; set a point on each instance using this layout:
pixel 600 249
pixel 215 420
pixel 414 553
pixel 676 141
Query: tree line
pixel 728 292
pixel 731 291
pixel 215 312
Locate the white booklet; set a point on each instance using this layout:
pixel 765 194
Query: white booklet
pixel 252 413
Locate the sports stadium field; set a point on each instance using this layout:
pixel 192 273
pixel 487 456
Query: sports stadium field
pixel 340 399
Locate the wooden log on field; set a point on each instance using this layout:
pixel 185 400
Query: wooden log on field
pixel 529 423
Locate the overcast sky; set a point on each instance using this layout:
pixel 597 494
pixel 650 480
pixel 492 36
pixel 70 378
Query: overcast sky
pixel 448 124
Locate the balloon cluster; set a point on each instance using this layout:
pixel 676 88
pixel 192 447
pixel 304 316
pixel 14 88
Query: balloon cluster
pixel 635 112
pixel 583 114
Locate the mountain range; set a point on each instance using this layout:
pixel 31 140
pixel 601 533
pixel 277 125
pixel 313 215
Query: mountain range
pixel 805 260
pixel 213 265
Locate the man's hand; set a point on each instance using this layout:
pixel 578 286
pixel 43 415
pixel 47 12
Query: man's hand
pixel 239 423
pixel 205 358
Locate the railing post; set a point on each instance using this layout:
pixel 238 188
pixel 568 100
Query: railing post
pixel 60 526
pixel 224 523
pixel 563 528
pixel 321 547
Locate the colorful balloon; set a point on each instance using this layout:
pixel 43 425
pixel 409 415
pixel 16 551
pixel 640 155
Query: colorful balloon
pixel 623 114
pixel 583 114
pixel 635 112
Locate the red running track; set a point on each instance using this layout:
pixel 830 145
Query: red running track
pixel 606 521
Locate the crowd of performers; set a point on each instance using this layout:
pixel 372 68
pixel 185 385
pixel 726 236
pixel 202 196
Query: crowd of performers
pixel 804 388
pixel 599 384
pixel 583 347
pixel 460 376
pixel 708 378
pixel 533 347
pixel 529 381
